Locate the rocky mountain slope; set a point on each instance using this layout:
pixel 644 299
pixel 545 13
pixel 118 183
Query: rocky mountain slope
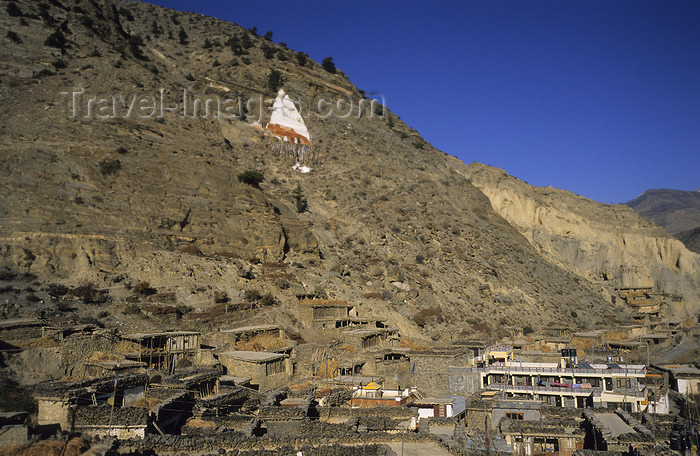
pixel 691 239
pixel 611 245
pixel 675 210
pixel 392 224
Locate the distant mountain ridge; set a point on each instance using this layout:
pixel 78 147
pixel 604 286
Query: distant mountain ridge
pixel 675 210
pixel 690 238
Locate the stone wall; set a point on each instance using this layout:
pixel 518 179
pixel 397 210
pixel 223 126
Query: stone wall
pixel 236 444
pixel 462 381
pixel 54 411
pixel 13 435
pixel 432 375
pixel 337 414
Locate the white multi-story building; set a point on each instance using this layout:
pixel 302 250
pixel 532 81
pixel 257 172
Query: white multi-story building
pixel 567 383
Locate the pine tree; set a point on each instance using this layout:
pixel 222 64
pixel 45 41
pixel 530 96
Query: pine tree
pixel 182 35
pixel 299 200
pixel 328 64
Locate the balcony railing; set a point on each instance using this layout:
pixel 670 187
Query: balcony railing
pixel 515 368
pixel 545 389
pixel 564 390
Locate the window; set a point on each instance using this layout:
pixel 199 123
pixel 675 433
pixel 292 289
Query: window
pixel 274 367
pixel 623 383
pixel 514 415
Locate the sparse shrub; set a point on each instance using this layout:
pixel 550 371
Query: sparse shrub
pixel 189 77
pixel 246 60
pixel 63 306
pixel 89 294
pixel 103 314
pixel 221 297
pixel 131 309
pixel 251 177
pixel 183 309
pixel 108 167
pixel 43 73
pixel 56 290
pixel 419 320
pixel 574 314
pixel 420 259
pixel 14 37
pixel 190 250
pixel 207 44
pixel 328 65
pixel 268 51
pixel 182 36
pixel 275 80
pixel 246 42
pixel 145 289
pixel 234 42
pixel 268 300
pixel 135 42
pixel 268 35
pixel 7 274
pixel 418 144
pixel 122 150
pixel 302 58
pixel 59 64
pixel 155 29
pixel 32 298
pixel 252 295
pixel 57 39
pixel 13 9
pixel 87 21
pixel 527 330
pixel 425 316
pixel 320 293
pixel 283 284
pixel 126 14
pixel 299 200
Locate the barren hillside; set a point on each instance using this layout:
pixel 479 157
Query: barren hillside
pixel 392 224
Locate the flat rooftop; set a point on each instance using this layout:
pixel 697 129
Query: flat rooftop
pixel 139 336
pixel 253 356
pixel 613 423
pixel 21 322
pixel 246 329
pixel 357 379
pixel 235 379
pixel 681 370
pixel 367 332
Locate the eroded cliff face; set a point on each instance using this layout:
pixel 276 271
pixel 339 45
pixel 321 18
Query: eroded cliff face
pixel 608 244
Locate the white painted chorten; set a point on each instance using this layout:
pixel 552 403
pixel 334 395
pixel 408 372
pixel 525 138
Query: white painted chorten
pixel 286 122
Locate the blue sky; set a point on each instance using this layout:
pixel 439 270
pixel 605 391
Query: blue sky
pixel 598 97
